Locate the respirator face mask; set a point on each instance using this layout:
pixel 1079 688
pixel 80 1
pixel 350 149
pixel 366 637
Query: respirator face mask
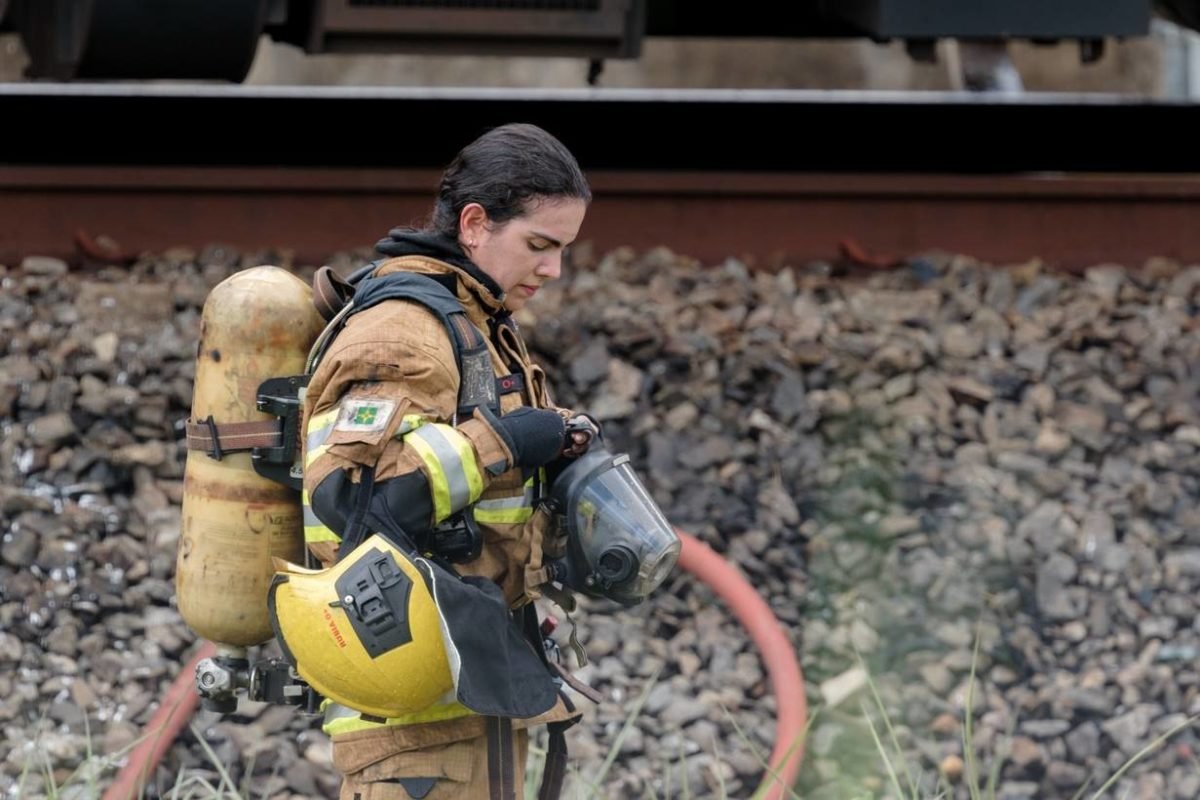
pixel 618 543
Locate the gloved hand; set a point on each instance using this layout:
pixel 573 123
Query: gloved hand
pixel 581 430
pixel 535 435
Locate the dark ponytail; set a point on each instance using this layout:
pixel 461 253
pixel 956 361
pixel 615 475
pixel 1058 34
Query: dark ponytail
pixel 502 171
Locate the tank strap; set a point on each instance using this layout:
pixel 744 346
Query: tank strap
pixel 331 292
pixel 217 439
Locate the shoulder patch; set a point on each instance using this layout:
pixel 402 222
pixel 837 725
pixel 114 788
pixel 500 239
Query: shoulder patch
pixel 364 415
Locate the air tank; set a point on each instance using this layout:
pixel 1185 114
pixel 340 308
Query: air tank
pixel 257 324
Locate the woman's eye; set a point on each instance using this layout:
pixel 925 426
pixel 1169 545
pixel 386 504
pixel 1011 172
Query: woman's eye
pixel 538 247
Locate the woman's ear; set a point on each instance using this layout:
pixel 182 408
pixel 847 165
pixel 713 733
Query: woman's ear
pixel 472 224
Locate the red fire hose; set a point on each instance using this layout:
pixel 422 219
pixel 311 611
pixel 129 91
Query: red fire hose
pixel 791 706
pixel 173 713
pixel 696 557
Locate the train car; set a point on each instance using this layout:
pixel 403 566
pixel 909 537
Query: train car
pixel 217 39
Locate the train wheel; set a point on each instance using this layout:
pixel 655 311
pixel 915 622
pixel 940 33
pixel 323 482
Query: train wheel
pixel 133 39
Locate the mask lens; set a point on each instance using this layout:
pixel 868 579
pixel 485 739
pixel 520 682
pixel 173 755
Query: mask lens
pixel 622 534
pixel 655 571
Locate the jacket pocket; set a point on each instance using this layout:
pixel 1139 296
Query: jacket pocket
pixel 430 773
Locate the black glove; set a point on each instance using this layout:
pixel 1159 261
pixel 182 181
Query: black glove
pixel 535 435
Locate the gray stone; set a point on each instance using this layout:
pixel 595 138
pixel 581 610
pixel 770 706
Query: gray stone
pixel 1129 731
pixel 592 364
pixel 19 547
pixel 52 429
pixel 1053 599
pixel 1044 728
pixel 45 266
pixel 1185 562
pixel 1185 786
pixel 1067 776
pixel 1017 790
pixel 683 710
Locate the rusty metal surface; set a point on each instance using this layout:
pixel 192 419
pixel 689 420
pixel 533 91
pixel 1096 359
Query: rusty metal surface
pixel 770 218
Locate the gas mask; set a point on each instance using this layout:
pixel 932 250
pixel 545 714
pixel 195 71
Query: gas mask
pixel 618 543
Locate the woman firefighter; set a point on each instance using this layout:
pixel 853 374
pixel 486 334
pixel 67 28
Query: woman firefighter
pixel 429 436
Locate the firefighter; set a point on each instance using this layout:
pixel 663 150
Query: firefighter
pixel 428 436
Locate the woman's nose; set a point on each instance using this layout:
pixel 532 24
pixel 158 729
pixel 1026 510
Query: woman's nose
pixel 551 268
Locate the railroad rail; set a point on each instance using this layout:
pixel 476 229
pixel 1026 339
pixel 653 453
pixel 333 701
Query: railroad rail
pixel 772 176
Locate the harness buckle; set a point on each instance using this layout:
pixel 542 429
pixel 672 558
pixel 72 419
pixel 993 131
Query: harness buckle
pixel 280 397
pixel 215 451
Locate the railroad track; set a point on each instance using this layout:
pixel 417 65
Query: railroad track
pixel 773 176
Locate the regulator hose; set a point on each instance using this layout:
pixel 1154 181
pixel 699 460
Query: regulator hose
pixel 697 558
pixel 787 681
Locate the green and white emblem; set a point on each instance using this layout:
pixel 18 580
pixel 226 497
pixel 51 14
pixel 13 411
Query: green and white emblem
pixel 365 416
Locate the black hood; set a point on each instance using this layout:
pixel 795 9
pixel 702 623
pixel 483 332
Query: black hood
pixel 410 242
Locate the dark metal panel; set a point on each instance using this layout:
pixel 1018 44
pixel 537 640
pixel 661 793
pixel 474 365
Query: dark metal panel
pixel 749 18
pixel 720 131
pixel 995 18
pixel 599 28
pixel 516 5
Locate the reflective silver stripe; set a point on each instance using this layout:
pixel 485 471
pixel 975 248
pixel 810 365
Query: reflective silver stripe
pixel 338 711
pixel 319 428
pixel 506 503
pixel 453 452
pixel 506 510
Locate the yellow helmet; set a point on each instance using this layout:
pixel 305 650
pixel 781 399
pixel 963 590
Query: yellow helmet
pixel 366 632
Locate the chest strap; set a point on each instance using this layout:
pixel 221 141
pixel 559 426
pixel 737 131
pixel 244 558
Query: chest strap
pixel 477 382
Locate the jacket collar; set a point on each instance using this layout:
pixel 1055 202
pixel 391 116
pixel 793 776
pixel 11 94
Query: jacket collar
pixel 477 300
pixel 429 253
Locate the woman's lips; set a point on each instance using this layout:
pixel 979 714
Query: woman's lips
pixel 528 291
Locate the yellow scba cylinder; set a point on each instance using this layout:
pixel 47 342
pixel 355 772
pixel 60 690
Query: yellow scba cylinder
pixel 257 324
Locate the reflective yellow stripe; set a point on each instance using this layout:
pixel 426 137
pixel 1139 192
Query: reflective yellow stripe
pixel 409 423
pixel 319 533
pixel 438 487
pixel 319 428
pixel 311 456
pixel 514 516
pixel 314 529
pixel 454 477
pixel 506 510
pixel 339 719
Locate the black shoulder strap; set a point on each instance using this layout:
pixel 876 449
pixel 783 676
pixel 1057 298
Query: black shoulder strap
pixel 477 381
